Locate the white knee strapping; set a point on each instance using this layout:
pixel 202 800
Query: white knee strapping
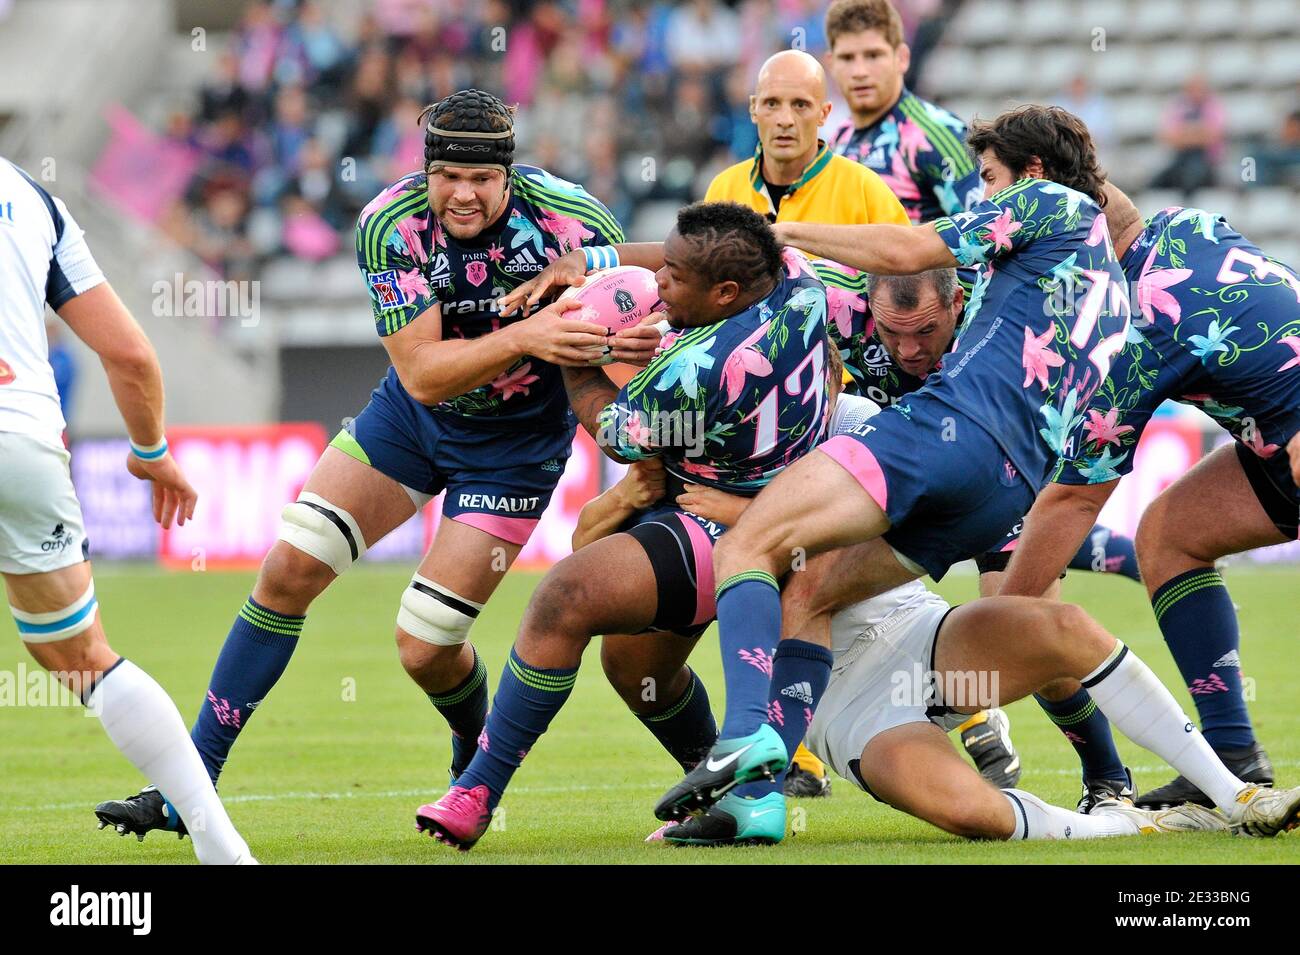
pixel 57 625
pixel 323 530
pixel 432 613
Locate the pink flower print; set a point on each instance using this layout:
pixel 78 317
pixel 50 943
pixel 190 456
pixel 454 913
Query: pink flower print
pixel 381 200
pixel 1256 443
pixel 757 658
pixel 476 272
pixel 1001 229
pixel 409 229
pixel 511 383
pixel 1037 358
pixel 439 236
pixel 569 232
pixel 746 359
pixel 706 471
pixel 901 183
pixel 1293 343
pixel 1203 687
pixel 1103 428
pixel 637 433
pixel 774 714
pixel 796 263
pixel 1152 296
pixel 842 303
pixel 413 284
pixel 807 717
pixel 1099 231
pixel 911 138
pixel 496 253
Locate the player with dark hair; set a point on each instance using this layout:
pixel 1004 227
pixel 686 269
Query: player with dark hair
pixel 473 405
pixel 916 147
pixel 945 474
pixel 739 394
pixel 1219 329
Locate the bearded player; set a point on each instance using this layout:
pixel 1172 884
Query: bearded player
pixel 730 403
pixel 473 405
pixel 1220 330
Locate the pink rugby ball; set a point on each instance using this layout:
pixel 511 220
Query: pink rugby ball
pixel 617 298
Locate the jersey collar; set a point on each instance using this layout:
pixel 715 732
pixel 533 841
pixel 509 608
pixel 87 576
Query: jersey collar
pixel 820 161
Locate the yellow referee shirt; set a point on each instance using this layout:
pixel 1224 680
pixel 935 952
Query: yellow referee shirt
pixel 832 190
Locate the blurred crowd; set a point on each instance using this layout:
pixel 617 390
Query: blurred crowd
pixel 304 119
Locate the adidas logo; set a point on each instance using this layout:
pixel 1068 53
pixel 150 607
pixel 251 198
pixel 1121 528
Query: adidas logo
pixel 524 261
pixel 799 691
pixel 1230 659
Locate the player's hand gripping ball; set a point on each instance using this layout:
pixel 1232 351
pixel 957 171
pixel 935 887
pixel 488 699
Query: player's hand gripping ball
pixel 617 298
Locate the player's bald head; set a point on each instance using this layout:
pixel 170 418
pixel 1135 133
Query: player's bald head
pixel 792 69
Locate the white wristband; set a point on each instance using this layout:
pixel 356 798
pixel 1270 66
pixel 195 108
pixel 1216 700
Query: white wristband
pixel 600 257
pixel 150 452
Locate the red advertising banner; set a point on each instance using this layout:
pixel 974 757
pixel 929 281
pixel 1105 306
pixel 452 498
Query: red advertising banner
pixel 245 476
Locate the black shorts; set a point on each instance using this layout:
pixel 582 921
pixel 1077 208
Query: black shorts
pixel 1280 500
pixel 680 548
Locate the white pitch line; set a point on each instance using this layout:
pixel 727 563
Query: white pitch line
pixel 525 790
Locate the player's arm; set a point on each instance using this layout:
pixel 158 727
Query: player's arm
pixel 712 504
pixel 641 486
pixel 432 369
pixel 572 268
pixel 879 249
pixel 1055 529
pixel 590 394
pixel 98 317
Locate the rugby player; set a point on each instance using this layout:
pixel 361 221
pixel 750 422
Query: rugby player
pixel 44 554
pixel 736 397
pixel 1218 330
pixel 473 405
pixel 945 474
pixel 795 177
pixel 917 148
pixel 908 666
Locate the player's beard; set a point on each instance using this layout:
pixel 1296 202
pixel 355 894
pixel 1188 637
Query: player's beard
pixel 469 228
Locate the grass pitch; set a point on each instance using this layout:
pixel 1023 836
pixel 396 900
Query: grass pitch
pixel 337 759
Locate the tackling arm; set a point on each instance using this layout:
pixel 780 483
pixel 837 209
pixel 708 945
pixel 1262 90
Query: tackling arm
pixel 1055 528
pixel 590 392
pixel 879 249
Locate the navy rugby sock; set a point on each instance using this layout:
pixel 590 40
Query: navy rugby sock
pixel 464 707
pixel 1106 552
pixel 800 673
pixel 1199 624
pixel 685 727
pixel 1088 731
pixel 749 624
pixel 254 655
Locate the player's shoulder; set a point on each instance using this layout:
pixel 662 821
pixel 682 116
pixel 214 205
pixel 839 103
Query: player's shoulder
pixel 838 275
pixel 407 197
pixel 927 114
pixel 552 196
pixel 29 205
pixel 731 182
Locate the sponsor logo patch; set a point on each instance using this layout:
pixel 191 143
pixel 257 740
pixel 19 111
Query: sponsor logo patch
pixel 386 290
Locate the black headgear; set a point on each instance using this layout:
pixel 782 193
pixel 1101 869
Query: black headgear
pixel 469 128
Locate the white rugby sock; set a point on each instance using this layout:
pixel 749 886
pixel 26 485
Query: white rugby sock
pixel 143 722
pixel 1036 819
pixel 1131 697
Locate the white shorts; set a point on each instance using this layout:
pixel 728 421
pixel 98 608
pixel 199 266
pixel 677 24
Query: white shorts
pixel 877 682
pixel 40 519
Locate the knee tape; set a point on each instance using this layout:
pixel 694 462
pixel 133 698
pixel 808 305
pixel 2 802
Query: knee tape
pixel 432 613
pixel 322 530
pixel 57 625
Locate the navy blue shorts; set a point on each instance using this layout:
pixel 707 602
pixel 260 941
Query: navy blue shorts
pixel 948 489
pixel 497 481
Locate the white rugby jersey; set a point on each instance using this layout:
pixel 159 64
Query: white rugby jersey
pixel 43 259
pixel 849 412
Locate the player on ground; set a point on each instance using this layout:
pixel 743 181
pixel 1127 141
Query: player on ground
pixel 44 553
pixel 914 319
pixel 473 404
pixel 736 397
pixel 887 735
pixel 794 177
pixel 945 474
pixel 1219 329
pixel 917 148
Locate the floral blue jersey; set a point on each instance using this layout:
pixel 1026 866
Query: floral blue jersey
pixel 1219 329
pixel 919 150
pixel 410 263
pixel 1047 313
pixel 731 404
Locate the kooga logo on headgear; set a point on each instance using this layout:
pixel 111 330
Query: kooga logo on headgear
pixel 468 148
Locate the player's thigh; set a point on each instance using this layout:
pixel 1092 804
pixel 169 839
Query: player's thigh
pixel 915 768
pixel 997 650
pixel 606 587
pixel 377 502
pixel 834 580
pixel 1210 512
pixel 58 601
pixel 468 561
pixel 812 506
